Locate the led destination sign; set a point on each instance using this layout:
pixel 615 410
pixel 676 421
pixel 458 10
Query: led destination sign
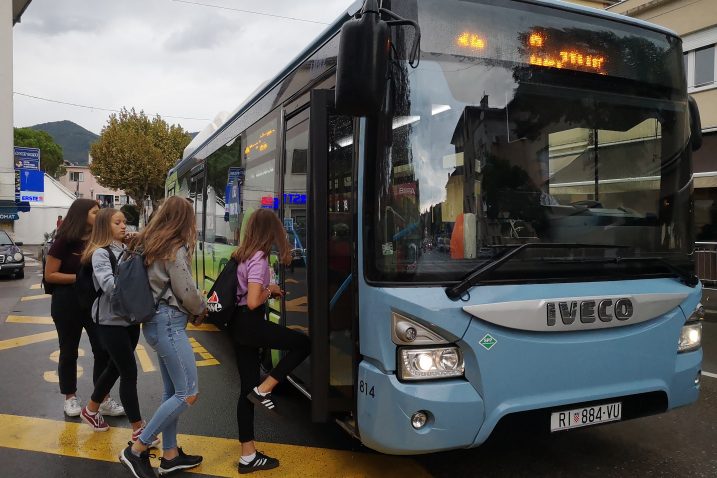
pixel 570 57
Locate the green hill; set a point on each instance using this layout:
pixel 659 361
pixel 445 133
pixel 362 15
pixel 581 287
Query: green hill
pixel 74 139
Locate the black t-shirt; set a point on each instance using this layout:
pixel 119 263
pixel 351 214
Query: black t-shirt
pixel 69 253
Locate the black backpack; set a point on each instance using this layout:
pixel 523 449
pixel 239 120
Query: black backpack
pixel 85 286
pixel 132 297
pixel 222 299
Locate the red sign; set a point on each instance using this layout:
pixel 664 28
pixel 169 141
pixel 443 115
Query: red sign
pixel 406 189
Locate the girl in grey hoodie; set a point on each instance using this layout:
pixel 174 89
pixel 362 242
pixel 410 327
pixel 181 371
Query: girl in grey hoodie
pixel 117 336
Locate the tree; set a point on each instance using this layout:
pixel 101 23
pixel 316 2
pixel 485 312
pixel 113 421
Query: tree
pixel 51 158
pixel 135 153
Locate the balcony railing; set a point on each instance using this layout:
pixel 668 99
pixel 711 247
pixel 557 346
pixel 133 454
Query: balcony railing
pixel 706 262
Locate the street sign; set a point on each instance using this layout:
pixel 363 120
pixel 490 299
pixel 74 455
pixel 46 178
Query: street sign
pixel 32 185
pixel 27 158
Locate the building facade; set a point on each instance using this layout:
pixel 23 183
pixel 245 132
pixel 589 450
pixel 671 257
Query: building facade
pixel 81 181
pixel 696 23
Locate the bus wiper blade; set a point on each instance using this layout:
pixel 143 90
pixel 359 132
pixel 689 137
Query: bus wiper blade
pixel 458 291
pixel 689 278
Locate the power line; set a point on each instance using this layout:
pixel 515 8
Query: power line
pixel 98 107
pixel 251 12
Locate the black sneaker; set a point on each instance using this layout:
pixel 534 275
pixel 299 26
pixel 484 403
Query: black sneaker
pixel 260 462
pixel 264 401
pixel 180 462
pixel 138 465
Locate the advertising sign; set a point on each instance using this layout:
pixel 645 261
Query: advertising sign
pixel 32 185
pixel 27 158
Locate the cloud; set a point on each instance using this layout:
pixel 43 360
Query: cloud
pixel 160 56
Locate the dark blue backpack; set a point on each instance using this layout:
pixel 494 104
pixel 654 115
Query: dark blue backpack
pixel 132 297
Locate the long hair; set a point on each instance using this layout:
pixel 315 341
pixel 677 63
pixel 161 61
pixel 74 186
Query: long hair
pixel 74 227
pixel 101 234
pixel 172 227
pixel 262 231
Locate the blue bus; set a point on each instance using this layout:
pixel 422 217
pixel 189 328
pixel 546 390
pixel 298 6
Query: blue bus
pixel 490 205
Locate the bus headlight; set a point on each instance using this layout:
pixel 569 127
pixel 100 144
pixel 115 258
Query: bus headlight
pixel 430 363
pixel 690 338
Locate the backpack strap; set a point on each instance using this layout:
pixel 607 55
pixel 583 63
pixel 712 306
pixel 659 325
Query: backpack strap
pixel 113 265
pixel 161 294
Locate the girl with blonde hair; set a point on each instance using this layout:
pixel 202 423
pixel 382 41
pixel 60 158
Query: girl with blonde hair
pixel 119 338
pixel 167 244
pixel 250 330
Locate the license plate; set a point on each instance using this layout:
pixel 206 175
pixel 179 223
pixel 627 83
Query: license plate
pixel 584 417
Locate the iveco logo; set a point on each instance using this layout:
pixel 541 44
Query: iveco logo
pixel 589 311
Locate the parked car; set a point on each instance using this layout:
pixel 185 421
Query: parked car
pixel 12 260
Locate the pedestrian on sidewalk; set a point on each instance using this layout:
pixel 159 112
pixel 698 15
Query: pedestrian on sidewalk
pixel 118 337
pixel 61 268
pixel 250 331
pixel 167 244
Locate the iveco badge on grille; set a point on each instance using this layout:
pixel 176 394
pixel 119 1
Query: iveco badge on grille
pixel 589 311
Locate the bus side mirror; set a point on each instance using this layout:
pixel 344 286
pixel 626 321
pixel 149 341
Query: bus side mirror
pixel 362 63
pixel 695 125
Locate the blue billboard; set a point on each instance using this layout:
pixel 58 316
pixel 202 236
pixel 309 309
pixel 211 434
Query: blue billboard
pixel 27 158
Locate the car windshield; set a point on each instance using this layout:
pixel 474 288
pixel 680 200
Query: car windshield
pixel 5 239
pixel 526 124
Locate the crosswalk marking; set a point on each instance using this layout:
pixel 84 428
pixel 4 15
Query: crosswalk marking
pixel 29 319
pixel 27 340
pixel 36 287
pixel 35 297
pixel 202 328
pixel 221 455
pixel 144 360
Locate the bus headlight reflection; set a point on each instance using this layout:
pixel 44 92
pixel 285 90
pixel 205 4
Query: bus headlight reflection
pixel 430 363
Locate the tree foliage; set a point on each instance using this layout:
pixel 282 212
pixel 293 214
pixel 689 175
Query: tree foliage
pixel 134 153
pixel 51 158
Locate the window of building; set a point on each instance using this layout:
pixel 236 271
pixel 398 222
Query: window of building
pixel 77 176
pixel 705 66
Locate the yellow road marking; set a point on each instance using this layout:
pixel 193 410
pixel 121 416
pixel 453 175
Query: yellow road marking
pixel 51 375
pixel 29 319
pixel 35 297
pixel 207 358
pixel 144 360
pixel 27 340
pixel 36 287
pixel 300 304
pixel 203 328
pixel 221 455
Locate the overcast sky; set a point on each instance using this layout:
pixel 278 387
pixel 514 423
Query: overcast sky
pixel 162 56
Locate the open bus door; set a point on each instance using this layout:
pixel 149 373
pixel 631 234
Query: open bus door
pixel 331 235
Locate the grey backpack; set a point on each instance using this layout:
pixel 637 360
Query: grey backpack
pixel 131 296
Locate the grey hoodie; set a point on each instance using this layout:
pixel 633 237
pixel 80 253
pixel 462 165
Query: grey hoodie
pixel 103 278
pixel 183 292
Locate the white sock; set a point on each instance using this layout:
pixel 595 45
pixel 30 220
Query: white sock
pixel 91 413
pixel 256 389
pixel 245 460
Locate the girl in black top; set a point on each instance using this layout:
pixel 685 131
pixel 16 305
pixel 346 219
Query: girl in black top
pixel 61 268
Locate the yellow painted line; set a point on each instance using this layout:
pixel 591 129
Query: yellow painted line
pixel 36 287
pixel 27 340
pixel 144 360
pixel 207 363
pixel 203 328
pixel 221 455
pixel 35 297
pixel 29 319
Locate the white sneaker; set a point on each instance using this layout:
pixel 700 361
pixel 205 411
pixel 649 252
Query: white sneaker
pixel 111 408
pixel 73 407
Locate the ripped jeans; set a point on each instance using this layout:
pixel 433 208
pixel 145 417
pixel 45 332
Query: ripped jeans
pixel 166 334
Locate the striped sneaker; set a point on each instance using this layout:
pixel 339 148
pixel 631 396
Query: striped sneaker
pixel 260 462
pixel 96 420
pixel 264 401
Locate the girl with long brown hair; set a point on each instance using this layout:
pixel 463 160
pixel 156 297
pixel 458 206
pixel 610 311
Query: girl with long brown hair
pixel 61 268
pixel 167 244
pixel 250 330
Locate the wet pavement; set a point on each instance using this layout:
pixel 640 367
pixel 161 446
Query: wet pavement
pixel 37 440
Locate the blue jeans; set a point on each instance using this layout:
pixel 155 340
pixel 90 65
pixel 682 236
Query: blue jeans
pixel 166 334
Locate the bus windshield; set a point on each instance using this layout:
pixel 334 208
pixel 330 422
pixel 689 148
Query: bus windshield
pixel 522 124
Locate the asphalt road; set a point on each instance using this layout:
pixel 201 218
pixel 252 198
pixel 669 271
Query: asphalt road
pixel 36 440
